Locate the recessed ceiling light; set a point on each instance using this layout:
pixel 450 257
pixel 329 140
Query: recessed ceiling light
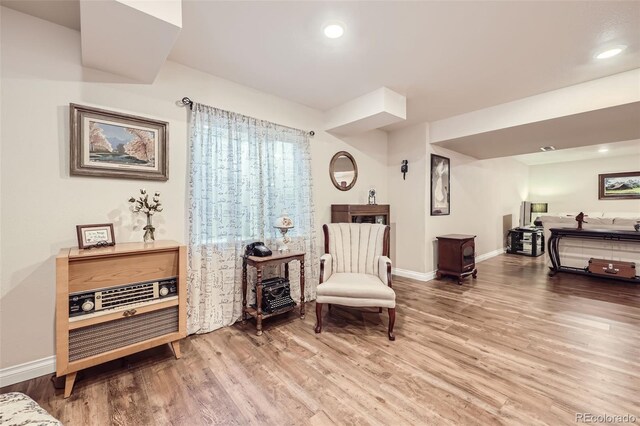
pixel 602 150
pixel 547 148
pixel 334 30
pixel 609 53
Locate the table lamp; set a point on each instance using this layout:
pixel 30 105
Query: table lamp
pixel 283 223
pixel 538 208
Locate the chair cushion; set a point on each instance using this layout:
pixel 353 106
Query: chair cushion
pixel 356 290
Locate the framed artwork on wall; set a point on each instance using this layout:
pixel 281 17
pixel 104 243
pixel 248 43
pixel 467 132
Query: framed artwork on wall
pixel 619 186
pixel 111 144
pixel 440 185
pixel 95 235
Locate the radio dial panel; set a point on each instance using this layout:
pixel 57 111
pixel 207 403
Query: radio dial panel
pixel 116 298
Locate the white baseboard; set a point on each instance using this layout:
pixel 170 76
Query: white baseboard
pixel 428 276
pixel 491 254
pixel 420 276
pixel 28 370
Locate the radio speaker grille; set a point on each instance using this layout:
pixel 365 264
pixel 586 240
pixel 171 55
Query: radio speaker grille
pixel 100 338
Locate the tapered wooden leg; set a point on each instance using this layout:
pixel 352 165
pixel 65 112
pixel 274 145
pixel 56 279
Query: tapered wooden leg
pixel 244 291
pixel 301 288
pixel 176 349
pixel 392 321
pixel 69 380
pixel 259 300
pixel 379 310
pixel 319 317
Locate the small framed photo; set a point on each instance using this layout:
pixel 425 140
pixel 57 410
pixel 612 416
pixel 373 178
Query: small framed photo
pixel 112 144
pixel 619 186
pixel 95 235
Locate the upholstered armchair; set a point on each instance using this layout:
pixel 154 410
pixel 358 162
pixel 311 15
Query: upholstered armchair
pixel 356 270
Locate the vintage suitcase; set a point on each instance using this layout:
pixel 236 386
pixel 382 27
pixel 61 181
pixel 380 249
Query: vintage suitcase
pixel 612 268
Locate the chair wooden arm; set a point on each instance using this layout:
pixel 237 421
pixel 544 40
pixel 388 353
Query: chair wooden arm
pixel 326 265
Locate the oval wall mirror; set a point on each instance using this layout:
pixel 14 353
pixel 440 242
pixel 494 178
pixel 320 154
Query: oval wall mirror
pixel 343 171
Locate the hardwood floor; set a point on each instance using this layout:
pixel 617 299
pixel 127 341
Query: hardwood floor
pixel 511 347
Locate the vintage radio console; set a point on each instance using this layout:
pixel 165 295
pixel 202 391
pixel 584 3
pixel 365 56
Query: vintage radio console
pixel 122 297
pixel 100 318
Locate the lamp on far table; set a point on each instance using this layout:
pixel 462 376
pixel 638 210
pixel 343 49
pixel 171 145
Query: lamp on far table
pixel 283 223
pixel 539 208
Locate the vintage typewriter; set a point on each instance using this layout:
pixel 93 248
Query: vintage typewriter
pixel 276 295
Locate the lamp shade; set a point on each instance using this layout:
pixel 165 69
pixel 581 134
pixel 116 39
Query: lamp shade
pixel 284 221
pixel 539 207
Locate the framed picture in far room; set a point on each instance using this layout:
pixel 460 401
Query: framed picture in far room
pixel 440 185
pixel 95 235
pixel 619 186
pixel 116 145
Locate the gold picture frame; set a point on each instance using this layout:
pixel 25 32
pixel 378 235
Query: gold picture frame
pixel 112 144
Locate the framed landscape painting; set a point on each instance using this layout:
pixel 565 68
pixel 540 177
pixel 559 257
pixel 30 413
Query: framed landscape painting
pixel 616 186
pixel 111 144
pixel 440 186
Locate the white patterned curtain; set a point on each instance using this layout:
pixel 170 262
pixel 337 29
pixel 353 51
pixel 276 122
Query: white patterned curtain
pixel 243 173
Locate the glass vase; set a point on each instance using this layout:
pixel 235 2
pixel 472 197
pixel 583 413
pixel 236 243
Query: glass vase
pixel 149 231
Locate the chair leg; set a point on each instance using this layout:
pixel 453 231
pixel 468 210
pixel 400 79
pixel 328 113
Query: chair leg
pixel 318 317
pixel 379 310
pixel 392 321
pixel 329 305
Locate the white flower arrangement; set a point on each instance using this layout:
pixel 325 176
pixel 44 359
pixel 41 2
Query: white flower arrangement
pixel 142 204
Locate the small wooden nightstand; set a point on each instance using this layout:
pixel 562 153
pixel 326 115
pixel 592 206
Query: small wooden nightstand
pixel 259 263
pixel 456 256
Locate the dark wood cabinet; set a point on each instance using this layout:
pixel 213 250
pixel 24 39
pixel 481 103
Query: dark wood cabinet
pixel 456 256
pixel 360 213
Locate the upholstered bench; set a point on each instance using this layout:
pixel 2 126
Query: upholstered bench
pixel 18 409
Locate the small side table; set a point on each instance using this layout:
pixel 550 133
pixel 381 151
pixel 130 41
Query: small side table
pixel 456 256
pixel 260 263
pixel 525 242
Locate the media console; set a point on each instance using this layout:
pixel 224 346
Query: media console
pixel 607 235
pixel 116 301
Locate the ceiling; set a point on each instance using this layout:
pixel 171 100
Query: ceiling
pixel 61 12
pixel 447 58
pixel 618 149
pixel 605 125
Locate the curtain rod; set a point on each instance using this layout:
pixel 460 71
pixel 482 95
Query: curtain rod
pixel 187 101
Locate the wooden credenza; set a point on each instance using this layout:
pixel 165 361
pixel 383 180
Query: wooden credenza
pixel 124 299
pixel 360 213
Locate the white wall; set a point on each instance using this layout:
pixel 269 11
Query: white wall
pixel 482 193
pixel 41 204
pixel 1 97
pixel 407 197
pixel 573 186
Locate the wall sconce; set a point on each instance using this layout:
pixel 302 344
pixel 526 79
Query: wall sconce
pixel 404 169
